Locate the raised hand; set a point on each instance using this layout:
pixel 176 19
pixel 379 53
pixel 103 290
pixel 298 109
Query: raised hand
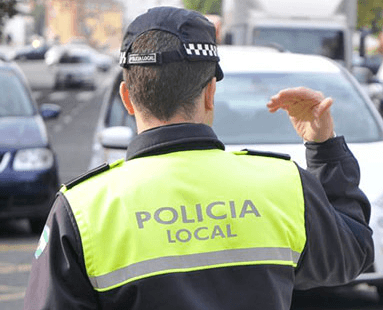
pixel 309 112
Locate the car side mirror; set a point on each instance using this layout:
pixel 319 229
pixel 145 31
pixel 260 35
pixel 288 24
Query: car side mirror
pixel 50 110
pixel 116 137
pixel 375 90
pixel 362 74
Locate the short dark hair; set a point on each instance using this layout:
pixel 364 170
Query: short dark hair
pixel 167 89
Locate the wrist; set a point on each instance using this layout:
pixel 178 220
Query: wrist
pixel 332 136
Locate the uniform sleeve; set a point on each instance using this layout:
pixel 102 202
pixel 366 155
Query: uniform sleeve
pixel 58 279
pixel 339 240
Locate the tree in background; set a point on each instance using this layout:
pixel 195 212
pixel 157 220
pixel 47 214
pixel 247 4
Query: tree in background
pixel 204 6
pixel 38 14
pixel 7 10
pixel 370 15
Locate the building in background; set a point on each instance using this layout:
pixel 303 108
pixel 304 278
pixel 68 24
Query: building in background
pixel 98 22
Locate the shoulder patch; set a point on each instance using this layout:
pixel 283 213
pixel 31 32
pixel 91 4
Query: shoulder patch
pixel 43 241
pixel 267 154
pixel 87 175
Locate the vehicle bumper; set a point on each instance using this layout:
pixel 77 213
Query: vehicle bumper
pixel 30 195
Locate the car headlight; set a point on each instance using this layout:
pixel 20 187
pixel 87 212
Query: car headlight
pixel 33 159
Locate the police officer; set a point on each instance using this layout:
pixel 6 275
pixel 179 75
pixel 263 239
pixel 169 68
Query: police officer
pixel 182 224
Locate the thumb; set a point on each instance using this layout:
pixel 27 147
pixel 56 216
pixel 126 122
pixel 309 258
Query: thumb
pixel 324 106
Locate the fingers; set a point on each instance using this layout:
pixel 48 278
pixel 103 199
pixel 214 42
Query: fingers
pixel 300 94
pixel 276 102
pixel 290 96
pixel 309 112
pixel 273 106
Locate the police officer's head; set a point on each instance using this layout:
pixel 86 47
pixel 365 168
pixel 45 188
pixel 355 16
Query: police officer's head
pixel 169 56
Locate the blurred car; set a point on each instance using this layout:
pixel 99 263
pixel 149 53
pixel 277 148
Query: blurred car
pixel 115 127
pixel 102 61
pixel 74 67
pixel 370 84
pixel 3 57
pixel 53 54
pixel 379 91
pixel 28 167
pixel 30 52
pixel 242 120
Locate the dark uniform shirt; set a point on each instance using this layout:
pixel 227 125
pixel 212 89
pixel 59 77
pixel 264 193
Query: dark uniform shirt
pixel 338 248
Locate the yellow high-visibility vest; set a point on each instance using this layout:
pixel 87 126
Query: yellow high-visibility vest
pixel 187 211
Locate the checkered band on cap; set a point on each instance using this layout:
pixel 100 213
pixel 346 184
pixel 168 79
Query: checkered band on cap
pixel 123 58
pixel 201 49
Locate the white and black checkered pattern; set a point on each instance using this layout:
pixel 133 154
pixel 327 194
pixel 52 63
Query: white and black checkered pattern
pixel 201 49
pixel 123 58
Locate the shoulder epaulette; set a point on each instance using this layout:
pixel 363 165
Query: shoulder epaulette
pixel 93 172
pixel 87 175
pixel 268 154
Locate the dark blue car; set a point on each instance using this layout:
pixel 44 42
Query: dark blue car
pixel 31 53
pixel 28 167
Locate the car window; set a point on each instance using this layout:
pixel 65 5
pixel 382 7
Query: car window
pixel 74 59
pixel 14 99
pixel 241 116
pixel 308 41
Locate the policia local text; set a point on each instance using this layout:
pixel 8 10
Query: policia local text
pixel 168 216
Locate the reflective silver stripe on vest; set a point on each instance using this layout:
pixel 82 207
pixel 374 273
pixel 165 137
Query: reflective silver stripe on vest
pixel 169 263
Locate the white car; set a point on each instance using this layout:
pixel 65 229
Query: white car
pixel 103 61
pixel 115 127
pixel 242 120
pixel 73 67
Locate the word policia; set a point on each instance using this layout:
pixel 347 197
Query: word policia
pixel 218 210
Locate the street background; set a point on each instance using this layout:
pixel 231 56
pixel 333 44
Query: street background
pixel 101 23
pixel 71 136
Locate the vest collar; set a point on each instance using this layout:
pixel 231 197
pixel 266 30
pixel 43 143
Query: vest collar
pixel 171 138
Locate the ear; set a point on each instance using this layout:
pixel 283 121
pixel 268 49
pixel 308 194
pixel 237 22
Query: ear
pixel 209 95
pixel 124 93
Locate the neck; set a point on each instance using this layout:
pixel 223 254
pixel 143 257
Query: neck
pixel 146 123
pixel 201 115
pixel 143 125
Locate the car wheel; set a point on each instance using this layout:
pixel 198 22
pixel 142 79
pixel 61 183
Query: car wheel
pixel 22 58
pixel 58 81
pixel 37 225
pixel 57 84
pixel 379 289
pixel 91 86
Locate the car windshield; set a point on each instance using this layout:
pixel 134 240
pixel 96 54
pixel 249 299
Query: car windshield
pixel 241 116
pixel 74 59
pixel 305 41
pixel 14 99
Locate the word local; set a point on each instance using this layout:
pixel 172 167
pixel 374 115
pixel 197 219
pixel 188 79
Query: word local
pixel 169 216
pixel 201 233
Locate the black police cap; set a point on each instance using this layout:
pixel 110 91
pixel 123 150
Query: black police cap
pixel 196 33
